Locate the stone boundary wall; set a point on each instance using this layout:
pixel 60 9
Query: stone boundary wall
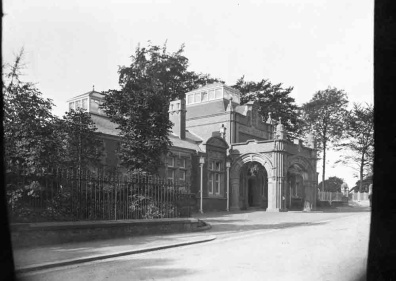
pixel 39 234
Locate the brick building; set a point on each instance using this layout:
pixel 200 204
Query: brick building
pixel 245 161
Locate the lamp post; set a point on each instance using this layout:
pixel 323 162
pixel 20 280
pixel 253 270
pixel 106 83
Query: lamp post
pixel 201 163
pixel 228 165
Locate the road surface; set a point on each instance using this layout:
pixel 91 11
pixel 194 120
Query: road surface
pixel 318 247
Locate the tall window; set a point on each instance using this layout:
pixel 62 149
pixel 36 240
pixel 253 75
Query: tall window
pixel 71 105
pixel 84 103
pixel 182 169
pixel 182 175
pixel 170 162
pixel 171 174
pixel 215 171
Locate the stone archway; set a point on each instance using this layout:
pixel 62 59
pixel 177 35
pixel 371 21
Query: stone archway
pixel 253 186
pixel 239 192
pixel 300 184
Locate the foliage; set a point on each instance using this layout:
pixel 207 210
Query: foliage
pixel 65 195
pixel 333 184
pixel 272 99
pixel 363 185
pixel 35 140
pixel 359 139
pixel 140 108
pixel 81 146
pixel 29 141
pixel 324 116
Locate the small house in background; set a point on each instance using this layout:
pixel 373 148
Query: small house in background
pixel 239 159
pixel 365 187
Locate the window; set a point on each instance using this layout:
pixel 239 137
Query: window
pixel 211 95
pixel 217 183
pixel 204 96
pixel 215 173
pixel 78 104
pixel 170 161
pixel 182 163
pixel 85 104
pixel 171 174
pixel 197 97
pixel 190 99
pixel 71 105
pixel 182 175
pixel 218 93
pixel 210 187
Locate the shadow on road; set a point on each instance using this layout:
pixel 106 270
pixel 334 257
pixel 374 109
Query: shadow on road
pixel 221 227
pixel 346 209
pixel 143 269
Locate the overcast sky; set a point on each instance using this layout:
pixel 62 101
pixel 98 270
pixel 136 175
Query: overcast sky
pixel 310 45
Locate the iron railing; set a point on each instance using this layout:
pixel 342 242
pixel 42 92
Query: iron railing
pixel 69 195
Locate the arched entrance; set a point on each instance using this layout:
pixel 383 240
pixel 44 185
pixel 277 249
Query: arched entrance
pixel 295 187
pixel 300 187
pixel 253 185
pixel 249 181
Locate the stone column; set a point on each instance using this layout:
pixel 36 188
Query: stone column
pixel 276 183
pixel 308 199
pixel 272 196
pixel 315 193
pixel 276 200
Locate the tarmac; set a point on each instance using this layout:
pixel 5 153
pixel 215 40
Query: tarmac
pixel 45 257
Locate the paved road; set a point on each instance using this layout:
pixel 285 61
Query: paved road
pixel 319 246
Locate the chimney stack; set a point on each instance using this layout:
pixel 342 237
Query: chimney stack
pixel 177 115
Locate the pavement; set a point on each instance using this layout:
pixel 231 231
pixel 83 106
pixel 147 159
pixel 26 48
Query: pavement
pixel 225 223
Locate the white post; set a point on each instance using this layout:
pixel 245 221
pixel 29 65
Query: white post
pixel 228 165
pixel 228 189
pixel 201 191
pixel 201 162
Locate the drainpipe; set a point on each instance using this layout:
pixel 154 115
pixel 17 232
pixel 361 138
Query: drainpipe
pixel 228 164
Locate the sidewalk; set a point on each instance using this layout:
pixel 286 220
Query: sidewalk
pixel 30 259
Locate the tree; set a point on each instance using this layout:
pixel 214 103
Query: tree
pixel 359 139
pixel 363 185
pixel 140 108
pixel 324 116
pixel 272 99
pixel 28 125
pixel 80 145
pixel 333 184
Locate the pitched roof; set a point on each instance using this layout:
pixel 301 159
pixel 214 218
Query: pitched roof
pixel 105 126
pixel 186 143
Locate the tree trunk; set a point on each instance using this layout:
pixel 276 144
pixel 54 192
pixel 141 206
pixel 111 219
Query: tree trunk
pixel 324 166
pixel 361 173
